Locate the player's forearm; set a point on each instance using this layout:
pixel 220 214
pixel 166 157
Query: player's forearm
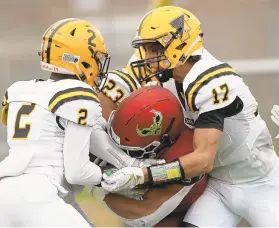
pixel 198 162
pixel 166 200
pixel 126 207
pixel 78 169
pixel 206 143
pixel 133 209
pixel 102 146
pixel 88 174
pixel 195 164
pixel 201 161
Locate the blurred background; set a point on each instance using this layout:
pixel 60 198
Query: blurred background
pixel 243 33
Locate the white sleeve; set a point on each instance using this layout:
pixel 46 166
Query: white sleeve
pixel 104 148
pixel 78 169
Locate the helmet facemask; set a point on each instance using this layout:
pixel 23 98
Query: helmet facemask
pixel 103 61
pixel 163 71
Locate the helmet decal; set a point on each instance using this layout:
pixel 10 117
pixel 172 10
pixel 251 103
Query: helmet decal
pixel 155 128
pixel 178 23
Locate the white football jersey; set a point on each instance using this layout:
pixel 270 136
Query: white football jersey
pixel 246 151
pixel 38 112
pixel 119 85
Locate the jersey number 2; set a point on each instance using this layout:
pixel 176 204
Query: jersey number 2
pixel 21 133
pixel 216 98
pixel 82 116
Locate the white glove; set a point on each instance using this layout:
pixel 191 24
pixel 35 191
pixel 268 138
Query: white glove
pixel 275 116
pixel 142 163
pixel 126 178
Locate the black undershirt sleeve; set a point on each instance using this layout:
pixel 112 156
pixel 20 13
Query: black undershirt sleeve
pixel 215 119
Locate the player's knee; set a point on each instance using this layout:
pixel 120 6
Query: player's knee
pixel 187 224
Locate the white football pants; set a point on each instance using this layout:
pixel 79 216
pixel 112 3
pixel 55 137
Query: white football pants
pixel 31 200
pixel 224 204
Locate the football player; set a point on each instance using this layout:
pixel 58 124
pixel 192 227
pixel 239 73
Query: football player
pixel 231 140
pixel 52 125
pixel 119 85
pixel 149 124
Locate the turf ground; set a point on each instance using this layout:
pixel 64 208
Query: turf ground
pixel 96 212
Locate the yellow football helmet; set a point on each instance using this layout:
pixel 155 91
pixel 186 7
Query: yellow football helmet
pixel 76 47
pixel 174 33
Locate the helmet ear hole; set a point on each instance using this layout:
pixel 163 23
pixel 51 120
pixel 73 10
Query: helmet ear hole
pixel 181 46
pixel 86 65
pixel 73 32
pixel 128 140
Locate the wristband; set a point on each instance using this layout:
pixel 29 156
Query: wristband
pixel 165 173
pixel 172 172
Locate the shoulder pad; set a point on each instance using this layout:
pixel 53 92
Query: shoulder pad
pixel 212 89
pixel 119 85
pixel 77 103
pixel 70 99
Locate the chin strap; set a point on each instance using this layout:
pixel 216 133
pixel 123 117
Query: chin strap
pixel 165 138
pixel 165 76
pixel 81 75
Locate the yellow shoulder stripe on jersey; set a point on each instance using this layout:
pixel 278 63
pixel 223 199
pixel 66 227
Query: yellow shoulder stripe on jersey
pixel 130 81
pixel 72 94
pixel 4 111
pixel 203 79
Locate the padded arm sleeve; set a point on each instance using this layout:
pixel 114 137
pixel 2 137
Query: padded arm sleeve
pixel 104 148
pixel 78 169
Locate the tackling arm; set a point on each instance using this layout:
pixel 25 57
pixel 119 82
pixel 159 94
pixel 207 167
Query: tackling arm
pixel 216 101
pixel 207 134
pixel 102 146
pixel 78 169
pixel 192 165
pixel 157 203
pixel 201 161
